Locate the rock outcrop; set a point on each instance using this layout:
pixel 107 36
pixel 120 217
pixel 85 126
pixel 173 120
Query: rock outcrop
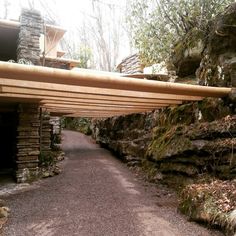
pixel 127 136
pixel 218 65
pixel 187 140
pixel 187 54
pixel 211 54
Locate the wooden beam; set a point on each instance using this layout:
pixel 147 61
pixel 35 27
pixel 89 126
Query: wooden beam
pixel 70 113
pixel 55 94
pixel 88 79
pixel 104 102
pixel 91 111
pixel 89 115
pixel 96 108
pixel 87 104
pixel 94 91
pixel 15 97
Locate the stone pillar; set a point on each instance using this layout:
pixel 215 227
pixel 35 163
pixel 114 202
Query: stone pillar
pixel 45 139
pixel 28 43
pixel 27 142
pixel 56 131
pixel 56 125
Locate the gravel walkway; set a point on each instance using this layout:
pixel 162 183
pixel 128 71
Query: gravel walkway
pixel 95 195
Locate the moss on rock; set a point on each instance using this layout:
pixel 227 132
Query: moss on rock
pixel 186 55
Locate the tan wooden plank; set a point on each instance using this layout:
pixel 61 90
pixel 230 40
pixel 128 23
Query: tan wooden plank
pixel 15 97
pixel 72 113
pixel 95 108
pixel 36 92
pixel 94 91
pixel 89 115
pixel 104 102
pixel 62 103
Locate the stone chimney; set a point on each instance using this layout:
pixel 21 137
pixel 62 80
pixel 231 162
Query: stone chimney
pixel 28 43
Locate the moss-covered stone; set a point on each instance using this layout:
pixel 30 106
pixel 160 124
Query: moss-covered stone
pixel 168 144
pixel 186 55
pixel 184 114
pixel 213 109
pixel 218 65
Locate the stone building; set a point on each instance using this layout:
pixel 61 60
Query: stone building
pixel 25 129
pixel 130 65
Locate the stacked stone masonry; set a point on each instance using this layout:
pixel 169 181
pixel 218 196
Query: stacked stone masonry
pixel 27 142
pixel 45 142
pixel 28 43
pixel 131 65
pixel 56 125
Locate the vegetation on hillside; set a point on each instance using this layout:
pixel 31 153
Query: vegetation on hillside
pixel 156 26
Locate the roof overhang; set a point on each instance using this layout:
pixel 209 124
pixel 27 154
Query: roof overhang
pixel 89 94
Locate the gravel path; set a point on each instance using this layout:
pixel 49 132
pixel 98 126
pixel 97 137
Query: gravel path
pixel 95 195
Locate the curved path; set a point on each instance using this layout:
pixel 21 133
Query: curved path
pixel 95 195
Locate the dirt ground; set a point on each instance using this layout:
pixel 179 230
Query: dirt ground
pixel 95 195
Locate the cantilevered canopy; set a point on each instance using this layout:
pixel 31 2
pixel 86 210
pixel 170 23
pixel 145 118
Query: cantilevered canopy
pixel 86 93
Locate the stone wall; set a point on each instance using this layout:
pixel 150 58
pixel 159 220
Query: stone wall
pixel 27 142
pixel 31 26
pixel 131 65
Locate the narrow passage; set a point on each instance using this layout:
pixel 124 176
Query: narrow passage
pixel 95 195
